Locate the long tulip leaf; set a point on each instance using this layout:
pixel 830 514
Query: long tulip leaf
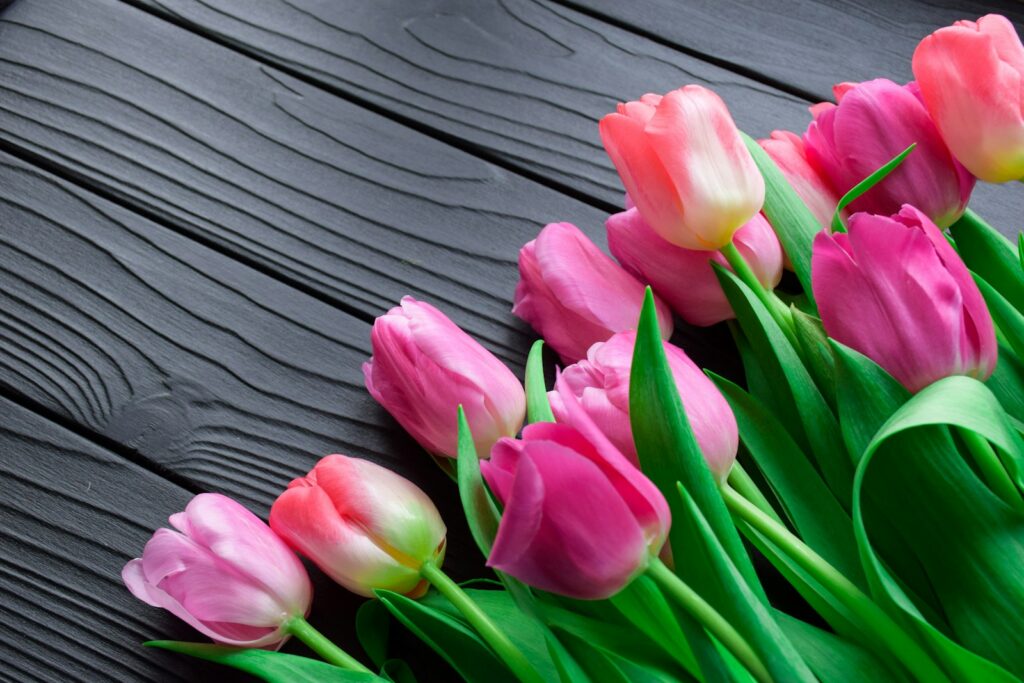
pixel 865 185
pixel 990 255
pixel 481 513
pixel 538 408
pixel 273 667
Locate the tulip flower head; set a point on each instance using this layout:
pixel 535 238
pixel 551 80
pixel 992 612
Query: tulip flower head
pixel 224 572
pixel 575 295
pixel 684 278
pixel 895 290
pixel 970 76
pixel 363 525
pixel 681 159
pixel 873 122
pixel 579 519
pixel 423 367
pixel 788 152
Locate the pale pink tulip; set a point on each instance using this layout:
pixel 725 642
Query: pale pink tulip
pixel 684 278
pixel 574 294
pixel 579 519
pixel 972 80
pixel 423 367
pixel 363 525
pixel 681 159
pixel 789 154
pixel 224 572
pixel 894 289
pixel 873 122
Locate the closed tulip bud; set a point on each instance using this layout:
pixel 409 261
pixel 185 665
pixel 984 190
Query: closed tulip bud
pixel 575 295
pixel 224 572
pixel 970 76
pixel 423 367
pixel 789 154
pixel 895 290
pixel 579 519
pixel 681 159
pixel 873 122
pixel 363 525
pixel 684 278
pixel 600 384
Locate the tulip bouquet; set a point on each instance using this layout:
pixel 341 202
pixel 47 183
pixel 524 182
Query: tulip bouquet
pixel 648 520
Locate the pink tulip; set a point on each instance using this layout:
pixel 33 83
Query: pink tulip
pixel 601 385
pixel 363 525
pixel 574 295
pixel 789 154
pixel 423 367
pixel 224 572
pixel 895 290
pixel 972 80
pixel 873 122
pixel 579 519
pixel 684 277
pixel 683 162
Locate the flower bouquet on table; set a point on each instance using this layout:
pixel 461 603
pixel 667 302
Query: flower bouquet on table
pixel 877 426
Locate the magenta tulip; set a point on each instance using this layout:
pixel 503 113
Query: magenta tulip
pixel 574 295
pixel 363 525
pixel 873 122
pixel 423 367
pixel 681 159
pixel 224 572
pixel 684 278
pixel 600 383
pixel 971 76
pixel 579 519
pixel 788 152
pixel 895 290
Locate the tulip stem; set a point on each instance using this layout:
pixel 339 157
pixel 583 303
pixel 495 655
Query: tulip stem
pixel 992 469
pixel 320 644
pixel 709 617
pixel 873 621
pixel 742 482
pixel 513 657
pixel 778 310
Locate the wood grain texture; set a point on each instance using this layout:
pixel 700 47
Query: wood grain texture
pixel 527 80
pixel 205 368
pixel 321 192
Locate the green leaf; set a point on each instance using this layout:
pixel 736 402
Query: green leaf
pixel 481 513
pixel 733 599
pixel 795 398
pixel 646 608
pixel 818 517
pixel 865 185
pixel 1008 319
pixel 792 221
pixel 814 349
pixel 1007 382
pixel 449 637
pixel 372 629
pixel 273 667
pixel 834 659
pixel 990 255
pixel 397 671
pixel 969 541
pixel 538 408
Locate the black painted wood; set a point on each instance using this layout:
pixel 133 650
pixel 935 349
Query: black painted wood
pixel 527 80
pixel 344 203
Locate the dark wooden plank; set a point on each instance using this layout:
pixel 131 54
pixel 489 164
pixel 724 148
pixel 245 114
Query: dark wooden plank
pixel 527 80
pixel 71 515
pixel 225 377
pixel 348 204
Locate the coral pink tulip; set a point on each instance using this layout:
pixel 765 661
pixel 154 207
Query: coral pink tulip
pixel 224 572
pixel 873 122
pixel 895 290
pixel 601 385
pixel 683 162
pixel 789 154
pixel 579 519
pixel 971 76
pixel 363 525
pixel 574 295
pixel 423 367
pixel 684 278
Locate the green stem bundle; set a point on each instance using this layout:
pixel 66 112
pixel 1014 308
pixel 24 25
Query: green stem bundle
pixel 778 310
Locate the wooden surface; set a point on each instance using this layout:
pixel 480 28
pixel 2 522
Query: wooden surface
pixel 205 203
